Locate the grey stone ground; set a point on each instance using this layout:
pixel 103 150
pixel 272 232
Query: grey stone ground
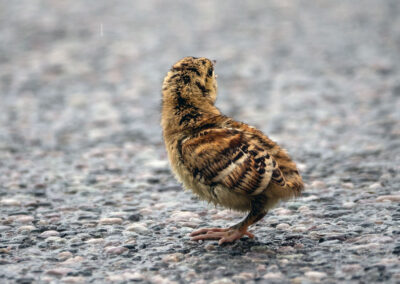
pixel 86 193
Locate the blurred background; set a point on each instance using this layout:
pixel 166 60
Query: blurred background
pixel 86 194
pixel 76 74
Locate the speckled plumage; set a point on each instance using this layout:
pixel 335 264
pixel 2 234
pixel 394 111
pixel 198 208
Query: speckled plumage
pixel 221 160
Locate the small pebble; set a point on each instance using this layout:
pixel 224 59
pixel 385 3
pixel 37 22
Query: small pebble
pixel 24 219
pixel 351 268
pixel 110 221
pixel 10 202
pixel 95 241
pixel 301 166
pixel 365 247
pixel 284 261
pixel 348 185
pixel 61 271
pixel 389 261
pixel 139 228
pixel 348 204
pixel 116 278
pixel 115 250
pixel 304 209
pixel 317 184
pixel 309 198
pixel 262 249
pixel 298 229
pixel 297 280
pixel 26 229
pixel 224 214
pixel 133 276
pixel 42 223
pixel 298 246
pixel 282 226
pixel 244 276
pixel 54 239
pixel 222 281
pixel 261 268
pixel 392 198
pixel 158 279
pixel 146 211
pixel 315 275
pixel 282 211
pixel 210 247
pixel 73 260
pixel 5 250
pixel 183 216
pixel 4 228
pixel 120 215
pixel 375 185
pixel 49 233
pixel 73 279
pixel 273 276
pixel 175 257
pixel 64 255
pixel 193 224
pixel 286 249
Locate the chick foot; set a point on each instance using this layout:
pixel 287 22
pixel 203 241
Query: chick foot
pixel 224 235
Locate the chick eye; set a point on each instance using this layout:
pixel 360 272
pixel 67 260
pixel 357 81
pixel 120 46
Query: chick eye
pixel 210 72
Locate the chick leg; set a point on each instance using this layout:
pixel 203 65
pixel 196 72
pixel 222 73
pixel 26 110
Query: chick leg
pixel 257 212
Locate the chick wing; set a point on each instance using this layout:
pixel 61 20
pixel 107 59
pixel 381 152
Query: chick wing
pixel 229 157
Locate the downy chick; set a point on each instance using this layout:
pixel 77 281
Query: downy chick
pixel 221 160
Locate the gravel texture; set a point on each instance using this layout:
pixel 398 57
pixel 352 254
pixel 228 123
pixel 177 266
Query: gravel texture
pixel 86 194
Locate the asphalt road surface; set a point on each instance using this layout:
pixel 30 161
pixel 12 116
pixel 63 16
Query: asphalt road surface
pixel 86 194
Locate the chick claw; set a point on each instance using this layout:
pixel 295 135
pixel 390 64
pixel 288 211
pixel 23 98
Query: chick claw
pixel 224 235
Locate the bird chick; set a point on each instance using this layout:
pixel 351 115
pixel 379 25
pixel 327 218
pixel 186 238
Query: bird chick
pixel 221 160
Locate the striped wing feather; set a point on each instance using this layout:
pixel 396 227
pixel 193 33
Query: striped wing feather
pixel 231 158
